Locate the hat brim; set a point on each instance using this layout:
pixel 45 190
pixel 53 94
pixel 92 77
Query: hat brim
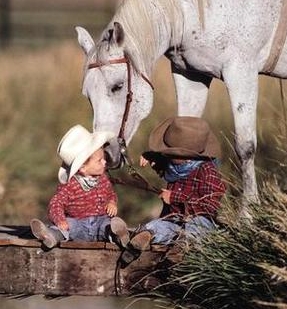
pixel 97 141
pixel 157 144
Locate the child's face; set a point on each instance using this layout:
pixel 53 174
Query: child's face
pixel 95 165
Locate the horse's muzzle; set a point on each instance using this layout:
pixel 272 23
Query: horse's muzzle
pixel 114 155
pixel 114 164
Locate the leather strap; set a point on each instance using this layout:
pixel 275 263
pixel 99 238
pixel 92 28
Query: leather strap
pixel 278 41
pixel 95 65
pixel 129 97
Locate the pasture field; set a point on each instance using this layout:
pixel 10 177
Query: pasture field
pixel 37 23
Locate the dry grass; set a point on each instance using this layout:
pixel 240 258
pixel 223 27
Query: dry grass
pixel 41 95
pixel 62 4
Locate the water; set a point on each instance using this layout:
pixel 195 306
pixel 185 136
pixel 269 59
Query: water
pixel 76 302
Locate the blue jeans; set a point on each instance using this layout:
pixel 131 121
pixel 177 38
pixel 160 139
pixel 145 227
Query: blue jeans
pixel 92 228
pixel 165 231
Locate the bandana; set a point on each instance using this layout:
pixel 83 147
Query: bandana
pixel 87 183
pixel 178 171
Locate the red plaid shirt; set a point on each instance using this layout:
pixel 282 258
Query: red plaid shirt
pixel 198 194
pixel 71 200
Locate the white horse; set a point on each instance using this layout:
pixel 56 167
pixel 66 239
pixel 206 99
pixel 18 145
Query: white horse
pixel 204 39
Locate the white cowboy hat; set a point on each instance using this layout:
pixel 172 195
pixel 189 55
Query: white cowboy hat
pixel 77 145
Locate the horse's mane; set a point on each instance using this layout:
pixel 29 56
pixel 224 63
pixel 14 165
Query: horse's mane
pixel 141 24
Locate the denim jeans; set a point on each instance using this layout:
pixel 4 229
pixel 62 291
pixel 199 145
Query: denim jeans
pixel 92 228
pixel 165 231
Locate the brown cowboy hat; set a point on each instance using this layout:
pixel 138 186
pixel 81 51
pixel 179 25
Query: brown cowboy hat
pixel 184 137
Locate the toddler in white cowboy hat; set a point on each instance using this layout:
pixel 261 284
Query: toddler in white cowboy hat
pixel 84 206
pixel 185 153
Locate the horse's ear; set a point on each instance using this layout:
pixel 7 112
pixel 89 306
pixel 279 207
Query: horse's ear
pixel 118 33
pixel 114 35
pixel 85 40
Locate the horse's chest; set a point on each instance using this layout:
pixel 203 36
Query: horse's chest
pixel 177 57
pixel 187 59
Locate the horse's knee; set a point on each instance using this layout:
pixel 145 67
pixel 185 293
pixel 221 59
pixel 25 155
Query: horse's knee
pixel 246 151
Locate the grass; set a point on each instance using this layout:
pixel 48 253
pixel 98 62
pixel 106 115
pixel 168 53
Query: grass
pixel 62 5
pixel 36 23
pixel 242 265
pixel 40 103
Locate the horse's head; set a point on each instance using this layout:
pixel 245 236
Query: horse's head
pixel 110 82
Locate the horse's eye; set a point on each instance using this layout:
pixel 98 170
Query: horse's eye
pixel 117 87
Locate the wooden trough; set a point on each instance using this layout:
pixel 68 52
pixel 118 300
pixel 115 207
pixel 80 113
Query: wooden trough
pixel 73 268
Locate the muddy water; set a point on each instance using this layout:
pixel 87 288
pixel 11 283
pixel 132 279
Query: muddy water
pixel 75 302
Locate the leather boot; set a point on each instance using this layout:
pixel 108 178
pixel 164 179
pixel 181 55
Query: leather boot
pixel 119 231
pixel 140 242
pixel 48 236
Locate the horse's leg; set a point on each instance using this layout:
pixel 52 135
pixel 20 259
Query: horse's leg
pixel 242 85
pixel 191 92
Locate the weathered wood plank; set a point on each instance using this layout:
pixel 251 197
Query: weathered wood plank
pixel 73 268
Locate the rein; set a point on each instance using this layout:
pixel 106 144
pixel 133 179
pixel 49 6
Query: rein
pixel 121 140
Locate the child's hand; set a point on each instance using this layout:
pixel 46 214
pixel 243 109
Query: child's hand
pixel 112 209
pixel 165 195
pixel 144 162
pixel 63 225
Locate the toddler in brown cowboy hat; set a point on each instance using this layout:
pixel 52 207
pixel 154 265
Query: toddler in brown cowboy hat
pixel 84 206
pixel 185 152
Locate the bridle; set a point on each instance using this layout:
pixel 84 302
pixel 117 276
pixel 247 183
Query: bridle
pixel 129 97
pixel 121 139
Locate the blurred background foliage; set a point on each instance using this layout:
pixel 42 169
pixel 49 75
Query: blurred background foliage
pixel 40 97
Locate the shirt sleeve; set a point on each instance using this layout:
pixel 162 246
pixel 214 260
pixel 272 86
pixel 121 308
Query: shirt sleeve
pixel 205 199
pixel 56 207
pixel 111 194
